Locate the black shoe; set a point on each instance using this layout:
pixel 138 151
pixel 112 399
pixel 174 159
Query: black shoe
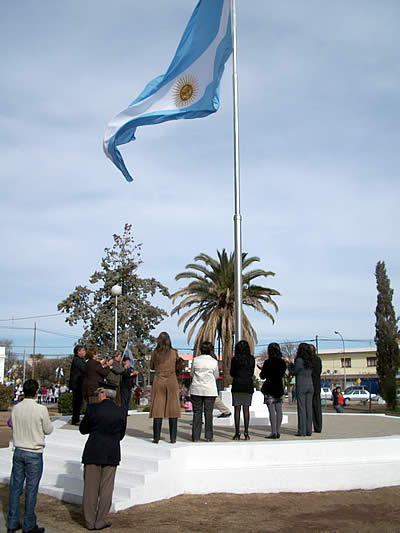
pixel 272 436
pixel 13 529
pixel 36 529
pixel 299 435
pixel 308 434
pixel 236 436
pixel 278 435
pixel 224 415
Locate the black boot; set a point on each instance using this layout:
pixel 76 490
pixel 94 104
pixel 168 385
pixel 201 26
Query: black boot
pixel 173 428
pixel 156 429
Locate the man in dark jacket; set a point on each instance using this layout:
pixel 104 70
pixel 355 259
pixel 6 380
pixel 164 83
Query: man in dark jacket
pixel 114 377
pixel 316 399
pixel 105 423
pixel 76 381
pixel 127 383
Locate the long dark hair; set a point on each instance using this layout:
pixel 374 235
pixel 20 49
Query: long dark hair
pixel 274 351
pixel 242 353
pixel 164 344
pixel 304 352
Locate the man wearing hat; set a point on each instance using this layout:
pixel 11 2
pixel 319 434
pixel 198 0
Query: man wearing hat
pixel 105 422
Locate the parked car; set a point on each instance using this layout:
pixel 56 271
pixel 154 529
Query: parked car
pixel 349 390
pixel 326 393
pixel 356 395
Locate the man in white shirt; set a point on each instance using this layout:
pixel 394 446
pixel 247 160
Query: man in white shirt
pixel 30 422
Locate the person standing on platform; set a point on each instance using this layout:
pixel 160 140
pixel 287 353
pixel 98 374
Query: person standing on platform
pixel 203 390
pixel 105 423
pixel 316 399
pixel 272 371
pixel 95 371
pixel 114 377
pixel 302 369
pixel 165 390
pixel 30 424
pixel 127 379
pixel 76 382
pixel 242 370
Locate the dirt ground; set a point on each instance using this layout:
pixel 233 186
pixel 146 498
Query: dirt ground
pixel 333 512
pixel 330 512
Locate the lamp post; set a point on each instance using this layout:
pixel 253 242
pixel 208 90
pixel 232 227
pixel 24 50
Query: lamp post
pixel 344 359
pixel 116 291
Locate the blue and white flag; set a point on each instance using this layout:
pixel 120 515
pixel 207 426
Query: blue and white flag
pixel 189 88
pixel 128 353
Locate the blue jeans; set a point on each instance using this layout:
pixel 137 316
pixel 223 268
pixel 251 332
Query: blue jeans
pixel 29 466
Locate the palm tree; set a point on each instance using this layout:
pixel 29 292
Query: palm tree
pixel 209 298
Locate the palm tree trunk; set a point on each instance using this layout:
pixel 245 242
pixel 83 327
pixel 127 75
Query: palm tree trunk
pixel 227 351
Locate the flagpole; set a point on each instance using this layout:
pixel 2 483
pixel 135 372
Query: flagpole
pixel 237 217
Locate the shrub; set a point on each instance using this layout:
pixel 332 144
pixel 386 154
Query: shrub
pixel 65 403
pixel 6 397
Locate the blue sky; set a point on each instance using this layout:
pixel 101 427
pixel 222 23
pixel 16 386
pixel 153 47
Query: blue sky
pixel 319 90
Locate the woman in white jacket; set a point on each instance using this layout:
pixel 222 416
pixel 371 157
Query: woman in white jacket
pixel 203 390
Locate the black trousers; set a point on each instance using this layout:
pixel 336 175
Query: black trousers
pixel 77 399
pixel 199 404
pixel 125 399
pixel 317 412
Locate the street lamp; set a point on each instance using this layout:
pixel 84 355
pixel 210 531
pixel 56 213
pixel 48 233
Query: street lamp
pixel 344 358
pixel 116 291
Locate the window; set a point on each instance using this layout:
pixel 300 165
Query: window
pixel 371 361
pixel 346 362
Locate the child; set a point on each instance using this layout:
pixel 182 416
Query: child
pixel 188 405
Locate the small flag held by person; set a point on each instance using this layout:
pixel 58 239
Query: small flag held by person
pixel 128 353
pixel 189 88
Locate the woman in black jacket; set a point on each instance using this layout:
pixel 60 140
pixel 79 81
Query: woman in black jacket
pixel 242 370
pixel 272 371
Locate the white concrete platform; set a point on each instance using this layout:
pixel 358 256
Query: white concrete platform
pixel 150 472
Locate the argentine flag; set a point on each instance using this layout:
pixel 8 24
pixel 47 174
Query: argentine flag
pixel 189 88
pixel 128 353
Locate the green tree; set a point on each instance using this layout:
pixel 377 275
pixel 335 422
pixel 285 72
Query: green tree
pixel 209 298
pixel 387 348
pixel 137 317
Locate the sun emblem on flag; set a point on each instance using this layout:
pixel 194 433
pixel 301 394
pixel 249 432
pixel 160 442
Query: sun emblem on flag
pixel 185 90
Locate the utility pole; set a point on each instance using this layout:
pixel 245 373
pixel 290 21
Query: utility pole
pixel 34 352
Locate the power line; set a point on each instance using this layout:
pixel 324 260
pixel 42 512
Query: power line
pixel 28 317
pixel 42 330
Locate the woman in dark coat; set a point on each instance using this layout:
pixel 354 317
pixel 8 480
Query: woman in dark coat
pixel 242 370
pixel 272 371
pixel 302 369
pixel 95 371
pixel 165 391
